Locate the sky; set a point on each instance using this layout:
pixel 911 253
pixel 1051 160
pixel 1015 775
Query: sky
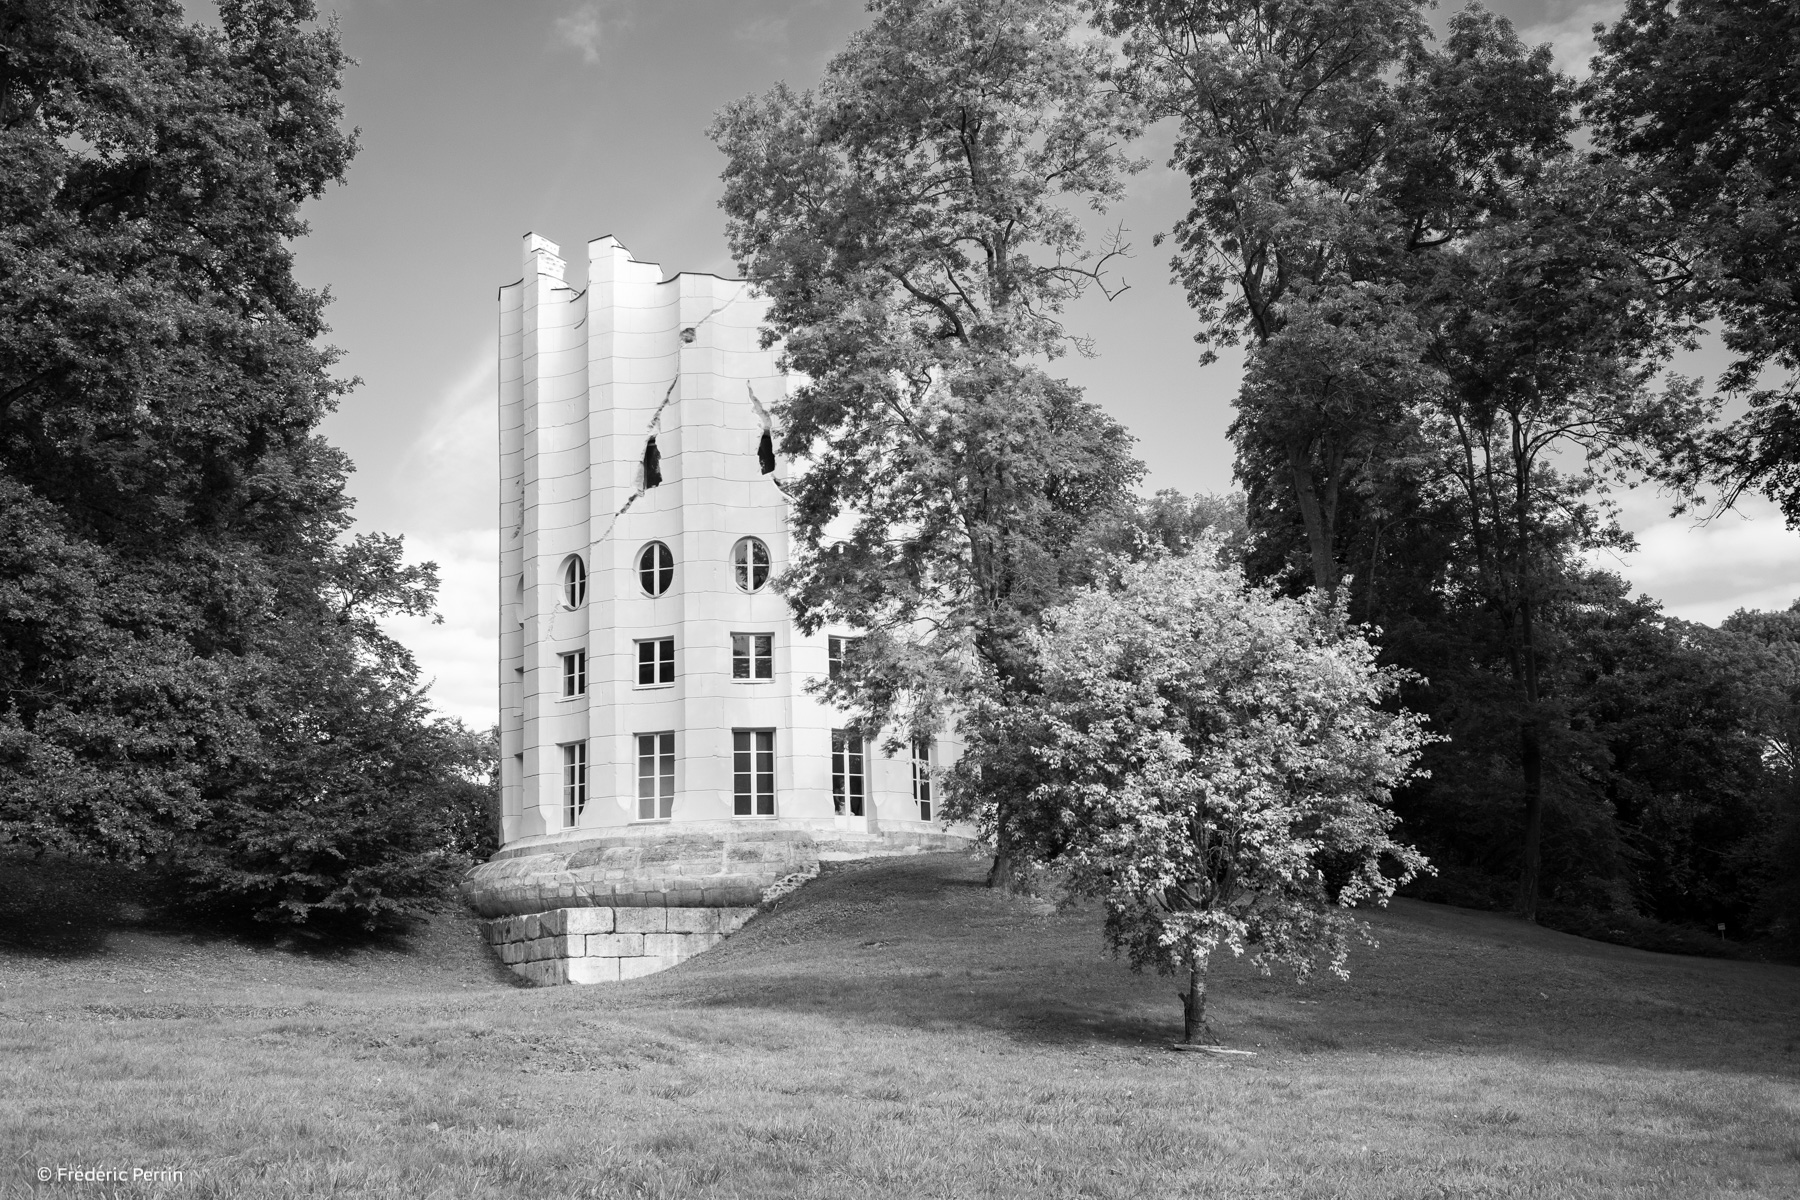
pixel 482 120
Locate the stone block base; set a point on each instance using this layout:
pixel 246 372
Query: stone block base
pixel 607 945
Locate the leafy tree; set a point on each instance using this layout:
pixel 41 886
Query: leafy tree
pixel 1171 522
pixel 1275 102
pixel 1548 329
pixel 912 223
pixel 1701 96
pixel 191 664
pixel 1767 859
pixel 1220 764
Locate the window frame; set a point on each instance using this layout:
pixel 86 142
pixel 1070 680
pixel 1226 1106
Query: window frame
pixel 574 674
pixel 661 759
pixel 923 772
pixel 746 569
pixel 574 582
pixel 663 572
pixel 658 662
pixel 849 773
pixel 751 659
pixel 838 649
pixel 750 800
pixel 575 782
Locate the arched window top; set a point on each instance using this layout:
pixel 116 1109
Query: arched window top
pixel 750 564
pixel 656 568
pixel 574 582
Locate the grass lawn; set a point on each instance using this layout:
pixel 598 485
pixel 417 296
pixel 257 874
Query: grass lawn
pixel 896 1030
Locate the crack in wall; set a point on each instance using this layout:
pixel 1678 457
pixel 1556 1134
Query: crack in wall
pixel 687 336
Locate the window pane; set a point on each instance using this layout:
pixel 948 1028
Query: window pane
pixel 656 568
pixel 666 775
pixel 666 660
pixel 740 656
pixel 759 564
pixel 646 776
pixel 765 773
pixel 837 771
pixel 741 765
pixel 765 660
pixel 646 662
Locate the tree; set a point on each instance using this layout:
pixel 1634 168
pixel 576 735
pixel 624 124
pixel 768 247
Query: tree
pixel 1275 102
pixel 1549 328
pixel 911 224
pixel 189 628
pixel 1700 96
pixel 1220 765
pixel 1329 402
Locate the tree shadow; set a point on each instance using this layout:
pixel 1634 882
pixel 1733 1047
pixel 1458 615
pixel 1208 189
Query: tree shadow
pixel 919 943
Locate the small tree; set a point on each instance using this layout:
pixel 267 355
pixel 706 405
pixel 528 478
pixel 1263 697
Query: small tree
pixel 1220 769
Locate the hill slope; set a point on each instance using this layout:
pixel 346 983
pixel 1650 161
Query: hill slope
pixel 895 1029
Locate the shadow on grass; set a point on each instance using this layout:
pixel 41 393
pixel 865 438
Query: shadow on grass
pixel 89 914
pixel 920 943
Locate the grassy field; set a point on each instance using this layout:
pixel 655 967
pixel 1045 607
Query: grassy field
pixel 896 1030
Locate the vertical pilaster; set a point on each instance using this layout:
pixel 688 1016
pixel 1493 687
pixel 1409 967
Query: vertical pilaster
pixel 554 470
pixel 512 563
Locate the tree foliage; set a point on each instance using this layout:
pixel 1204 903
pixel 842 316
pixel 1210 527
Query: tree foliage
pixel 1220 761
pixel 914 224
pixel 191 659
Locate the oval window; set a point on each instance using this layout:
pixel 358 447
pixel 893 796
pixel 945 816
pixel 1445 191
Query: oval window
pixel 656 568
pixel 750 563
pixel 575 582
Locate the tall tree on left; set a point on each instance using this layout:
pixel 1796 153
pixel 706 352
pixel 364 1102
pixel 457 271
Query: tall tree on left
pixel 185 628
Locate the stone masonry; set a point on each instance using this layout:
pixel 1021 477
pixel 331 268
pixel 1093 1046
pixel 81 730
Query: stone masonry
pixel 607 945
pixel 607 908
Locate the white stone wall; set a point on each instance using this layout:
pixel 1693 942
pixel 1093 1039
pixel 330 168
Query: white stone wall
pixel 585 377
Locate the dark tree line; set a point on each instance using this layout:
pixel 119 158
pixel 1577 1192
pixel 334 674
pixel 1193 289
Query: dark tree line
pixel 192 672
pixel 1458 322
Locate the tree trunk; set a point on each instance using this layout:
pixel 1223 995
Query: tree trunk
pixel 1312 515
pixel 1531 757
pixel 1004 872
pixel 1531 762
pixel 1193 1007
pixel 1531 742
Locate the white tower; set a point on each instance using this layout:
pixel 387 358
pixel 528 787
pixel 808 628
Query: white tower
pixel 650 675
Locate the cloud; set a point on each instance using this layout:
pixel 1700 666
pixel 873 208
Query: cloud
pixel 451 476
pixel 1570 31
pixel 460 657
pixel 1706 572
pixel 588 26
pixel 450 471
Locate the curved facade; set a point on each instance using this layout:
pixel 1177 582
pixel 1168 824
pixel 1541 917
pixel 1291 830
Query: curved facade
pixel 650 675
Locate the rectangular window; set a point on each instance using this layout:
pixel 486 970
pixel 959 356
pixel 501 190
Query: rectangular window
pixel 656 662
pixel 753 772
pixel 753 656
pixel 574 782
pixel 838 651
pixel 921 776
pixel 848 783
pixel 575 674
pixel 656 776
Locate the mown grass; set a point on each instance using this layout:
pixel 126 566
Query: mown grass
pixel 896 1030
